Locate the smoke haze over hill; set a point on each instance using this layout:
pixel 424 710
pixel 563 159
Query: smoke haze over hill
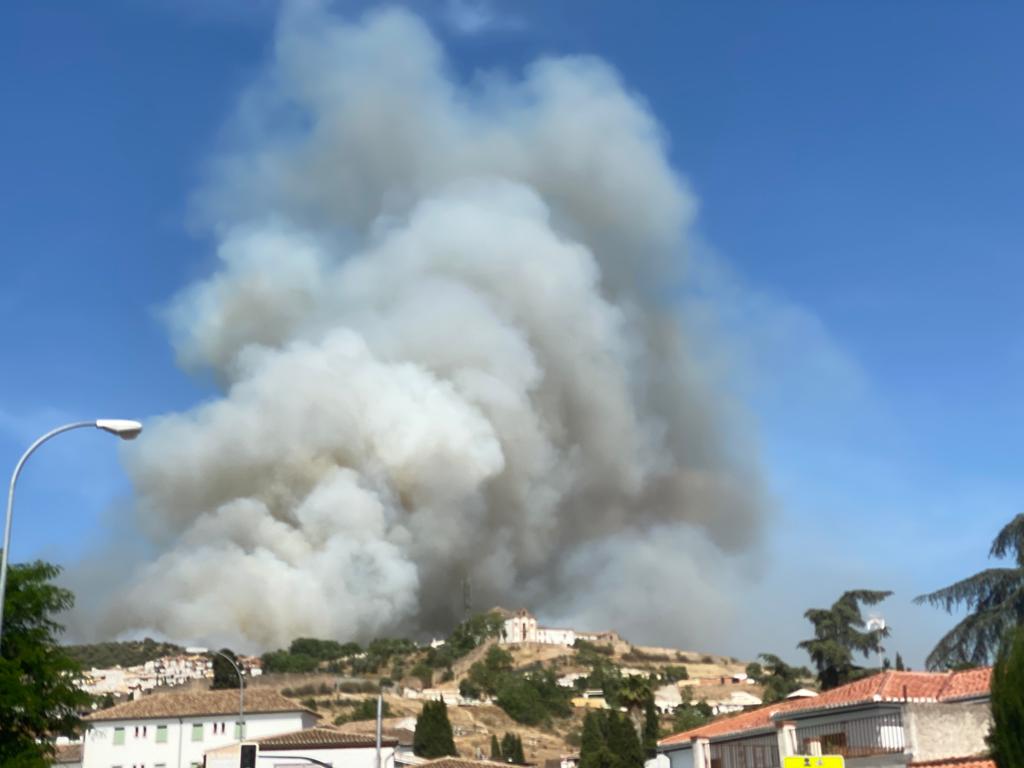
pixel 442 319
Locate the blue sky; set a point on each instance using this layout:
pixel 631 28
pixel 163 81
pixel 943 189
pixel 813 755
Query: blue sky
pixel 857 170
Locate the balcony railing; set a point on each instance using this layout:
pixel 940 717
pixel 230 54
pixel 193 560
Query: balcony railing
pixel 862 737
pixel 753 752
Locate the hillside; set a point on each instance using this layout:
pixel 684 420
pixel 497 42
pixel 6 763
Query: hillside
pixel 121 654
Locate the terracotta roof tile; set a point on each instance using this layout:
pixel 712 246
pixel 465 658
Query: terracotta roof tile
pixel 162 705
pixel 322 738
pixel 887 686
pixel 67 753
pixel 461 762
pixel 957 762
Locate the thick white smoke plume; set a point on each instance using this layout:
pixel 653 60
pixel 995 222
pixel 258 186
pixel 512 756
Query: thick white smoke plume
pixel 434 325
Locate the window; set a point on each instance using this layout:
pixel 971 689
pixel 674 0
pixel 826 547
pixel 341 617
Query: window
pixel 140 731
pixel 118 736
pixel 197 731
pixel 161 734
pixel 239 731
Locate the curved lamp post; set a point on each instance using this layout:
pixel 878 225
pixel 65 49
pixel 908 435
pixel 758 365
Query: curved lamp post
pixel 241 685
pixel 123 428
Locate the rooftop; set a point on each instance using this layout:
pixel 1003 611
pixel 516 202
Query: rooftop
pixel 462 762
pixel 890 686
pixel 957 762
pixel 163 705
pixel 321 738
pixel 67 753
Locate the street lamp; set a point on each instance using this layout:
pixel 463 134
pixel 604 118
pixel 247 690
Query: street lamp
pixel 241 685
pixel 123 428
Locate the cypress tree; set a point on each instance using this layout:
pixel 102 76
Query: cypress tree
pixel 623 742
pixel 495 749
pixel 651 729
pixel 899 663
pixel 433 736
pixel 520 756
pixel 508 748
pixel 1006 740
pixel 592 740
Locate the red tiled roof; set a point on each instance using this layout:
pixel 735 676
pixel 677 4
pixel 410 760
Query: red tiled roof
pixel 957 762
pixel 162 705
pixel 324 738
pixel 888 686
pixel 67 753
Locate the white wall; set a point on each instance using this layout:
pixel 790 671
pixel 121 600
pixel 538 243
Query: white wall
pixel 179 751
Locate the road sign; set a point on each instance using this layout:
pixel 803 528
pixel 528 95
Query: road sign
pixel 814 761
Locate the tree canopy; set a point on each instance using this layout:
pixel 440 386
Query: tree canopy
pixel 994 599
pixel 838 637
pixel 224 675
pixel 38 696
pixel 1006 739
pixel 609 741
pixel 778 678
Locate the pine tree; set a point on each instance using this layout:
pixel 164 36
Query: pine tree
pixel 433 736
pixel 994 599
pixel 1006 739
pixel 495 749
pixel 837 637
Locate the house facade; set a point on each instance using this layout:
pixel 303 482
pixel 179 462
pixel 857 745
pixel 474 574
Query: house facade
pixel 890 719
pixel 174 730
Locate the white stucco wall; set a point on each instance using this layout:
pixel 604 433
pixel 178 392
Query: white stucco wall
pixel 939 731
pixel 179 751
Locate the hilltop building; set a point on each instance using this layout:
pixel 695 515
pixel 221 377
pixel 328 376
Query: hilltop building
pixel 889 720
pixel 522 627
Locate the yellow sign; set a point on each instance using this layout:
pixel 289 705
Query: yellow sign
pixel 814 761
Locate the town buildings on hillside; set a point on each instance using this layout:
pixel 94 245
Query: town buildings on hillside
pixel 889 719
pixel 173 730
pixel 166 671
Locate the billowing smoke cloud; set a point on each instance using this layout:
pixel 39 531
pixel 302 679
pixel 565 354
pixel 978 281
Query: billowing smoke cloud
pixel 436 323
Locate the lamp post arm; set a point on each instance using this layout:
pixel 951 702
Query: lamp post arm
pixel 10 505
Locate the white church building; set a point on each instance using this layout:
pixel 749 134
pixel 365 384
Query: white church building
pixel 522 627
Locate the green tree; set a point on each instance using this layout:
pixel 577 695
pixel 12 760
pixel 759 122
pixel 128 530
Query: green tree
pixel 495 749
pixel 899 663
pixel 652 731
pixel 38 695
pixel 224 675
pixel 778 678
pixel 486 675
pixel 512 749
pixel 424 673
pixel 837 637
pixel 688 716
pixel 1006 739
pixel 433 736
pixel 623 741
pixel 994 599
pixel 634 694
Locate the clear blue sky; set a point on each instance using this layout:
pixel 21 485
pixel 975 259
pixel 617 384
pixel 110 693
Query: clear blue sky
pixel 857 165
